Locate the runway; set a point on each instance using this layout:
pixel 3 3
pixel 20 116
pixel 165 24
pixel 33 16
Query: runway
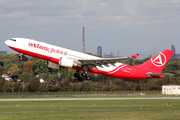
pixel 119 98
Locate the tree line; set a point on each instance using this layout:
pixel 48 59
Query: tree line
pixel 64 80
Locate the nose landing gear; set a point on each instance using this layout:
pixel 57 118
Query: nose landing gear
pixel 22 57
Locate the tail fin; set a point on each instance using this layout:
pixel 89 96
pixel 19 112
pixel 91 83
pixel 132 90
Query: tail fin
pixel 158 62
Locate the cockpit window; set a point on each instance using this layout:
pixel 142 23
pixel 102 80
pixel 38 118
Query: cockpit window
pixel 13 40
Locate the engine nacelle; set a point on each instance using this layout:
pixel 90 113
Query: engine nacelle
pixel 66 62
pixel 52 65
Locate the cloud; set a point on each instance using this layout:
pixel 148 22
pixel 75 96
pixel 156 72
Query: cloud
pixel 106 20
pixel 15 15
pixel 123 13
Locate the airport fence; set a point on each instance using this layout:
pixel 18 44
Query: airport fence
pixel 154 92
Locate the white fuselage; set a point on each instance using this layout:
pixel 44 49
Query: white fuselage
pixel 46 51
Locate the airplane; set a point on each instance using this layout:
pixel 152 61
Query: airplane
pixel 57 57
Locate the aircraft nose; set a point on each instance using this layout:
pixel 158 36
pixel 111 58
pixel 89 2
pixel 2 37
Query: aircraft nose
pixel 7 42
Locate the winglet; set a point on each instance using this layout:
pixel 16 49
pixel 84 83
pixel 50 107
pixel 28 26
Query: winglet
pixel 135 56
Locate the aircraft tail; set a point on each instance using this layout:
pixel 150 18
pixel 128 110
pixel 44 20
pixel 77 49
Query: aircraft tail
pixel 158 62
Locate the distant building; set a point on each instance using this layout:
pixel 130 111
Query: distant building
pixel 109 55
pixel 174 56
pixel 171 89
pixel 6 76
pixel 99 51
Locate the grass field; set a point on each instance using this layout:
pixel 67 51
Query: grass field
pixel 82 96
pixel 91 110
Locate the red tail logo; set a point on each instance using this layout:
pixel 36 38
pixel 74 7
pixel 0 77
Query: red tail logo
pixel 159 61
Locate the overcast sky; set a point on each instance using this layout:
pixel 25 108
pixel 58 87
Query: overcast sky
pixel 128 26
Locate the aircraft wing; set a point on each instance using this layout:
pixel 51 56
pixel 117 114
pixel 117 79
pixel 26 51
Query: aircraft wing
pixel 92 63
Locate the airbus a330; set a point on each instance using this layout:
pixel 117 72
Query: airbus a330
pixel 57 57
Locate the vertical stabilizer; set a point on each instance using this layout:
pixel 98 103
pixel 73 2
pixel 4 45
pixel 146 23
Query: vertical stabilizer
pixel 158 62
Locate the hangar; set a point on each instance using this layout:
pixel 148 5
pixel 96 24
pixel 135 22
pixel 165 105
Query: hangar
pixel 171 89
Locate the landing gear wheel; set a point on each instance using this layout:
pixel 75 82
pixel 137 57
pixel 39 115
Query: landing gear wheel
pixel 75 74
pixel 80 78
pixel 83 74
pixel 20 58
pixel 88 78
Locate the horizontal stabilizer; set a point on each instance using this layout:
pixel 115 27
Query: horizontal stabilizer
pixel 149 74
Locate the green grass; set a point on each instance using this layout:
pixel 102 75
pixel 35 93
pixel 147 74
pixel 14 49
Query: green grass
pixel 91 110
pixel 82 96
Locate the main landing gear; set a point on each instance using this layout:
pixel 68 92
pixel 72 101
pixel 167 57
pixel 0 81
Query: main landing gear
pixel 84 74
pixel 77 74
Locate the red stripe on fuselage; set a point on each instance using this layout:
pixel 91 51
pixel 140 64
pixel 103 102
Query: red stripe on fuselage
pixel 118 72
pixel 37 55
pixel 54 60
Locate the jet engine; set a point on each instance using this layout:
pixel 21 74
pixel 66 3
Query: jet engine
pixel 64 62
